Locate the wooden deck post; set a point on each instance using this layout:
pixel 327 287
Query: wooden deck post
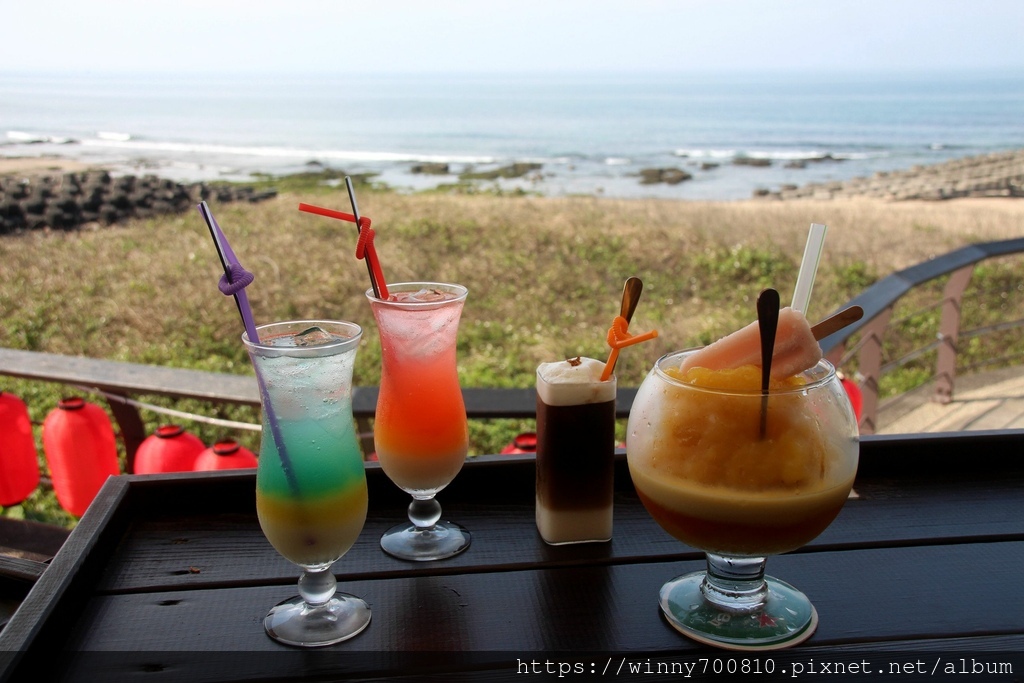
pixel 949 333
pixel 870 366
pixel 133 431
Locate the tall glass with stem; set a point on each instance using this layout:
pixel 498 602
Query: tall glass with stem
pixel 419 430
pixel 710 478
pixel 310 482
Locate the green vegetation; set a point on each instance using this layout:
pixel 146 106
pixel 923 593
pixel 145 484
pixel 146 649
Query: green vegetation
pixel 545 277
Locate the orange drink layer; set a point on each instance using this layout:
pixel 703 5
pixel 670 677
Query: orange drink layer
pixel 313 532
pixel 420 430
pixel 705 474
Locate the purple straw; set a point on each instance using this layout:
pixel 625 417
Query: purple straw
pixel 235 278
pixel 233 282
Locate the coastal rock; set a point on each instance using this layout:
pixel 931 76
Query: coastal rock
pixel 430 169
pixel 70 200
pixel 670 176
pixel 998 174
pixel 517 170
pixel 751 161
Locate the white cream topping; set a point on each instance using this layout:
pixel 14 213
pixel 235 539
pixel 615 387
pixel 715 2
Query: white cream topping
pixel 574 382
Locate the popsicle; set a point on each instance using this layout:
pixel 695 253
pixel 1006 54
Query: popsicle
pixel 796 348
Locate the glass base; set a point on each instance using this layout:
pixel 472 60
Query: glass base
pixel 437 542
pixel 787 617
pixel 293 622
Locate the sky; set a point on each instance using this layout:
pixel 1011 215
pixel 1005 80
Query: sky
pixel 480 36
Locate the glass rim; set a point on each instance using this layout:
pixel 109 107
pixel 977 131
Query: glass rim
pixel 460 291
pixel 821 373
pixel 318 350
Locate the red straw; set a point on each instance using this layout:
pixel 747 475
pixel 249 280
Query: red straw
pixel 364 247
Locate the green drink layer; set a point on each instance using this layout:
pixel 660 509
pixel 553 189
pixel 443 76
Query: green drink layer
pixel 323 454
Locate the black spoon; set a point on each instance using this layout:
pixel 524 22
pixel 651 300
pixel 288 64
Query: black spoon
pixel 767 325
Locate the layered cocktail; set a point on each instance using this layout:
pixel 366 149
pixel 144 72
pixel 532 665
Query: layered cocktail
pixel 311 495
pixel 420 430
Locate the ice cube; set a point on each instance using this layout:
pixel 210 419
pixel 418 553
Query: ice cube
pixel 314 336
pixel 425 295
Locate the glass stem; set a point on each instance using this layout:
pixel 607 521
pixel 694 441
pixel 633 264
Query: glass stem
pixel 424 512
pixel 317 585
pixel 735 584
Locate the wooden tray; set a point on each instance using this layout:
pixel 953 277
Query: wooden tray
pixel 167 577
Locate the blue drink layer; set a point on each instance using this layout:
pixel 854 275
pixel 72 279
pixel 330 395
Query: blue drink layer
pixel 311 400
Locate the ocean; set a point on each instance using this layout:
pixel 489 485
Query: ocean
pixel 590 134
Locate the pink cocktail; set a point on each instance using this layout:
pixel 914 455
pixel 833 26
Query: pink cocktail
pixel 420 431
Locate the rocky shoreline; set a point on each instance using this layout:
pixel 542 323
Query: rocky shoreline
pixel 991 175
pixel 68 201
pixel 63 199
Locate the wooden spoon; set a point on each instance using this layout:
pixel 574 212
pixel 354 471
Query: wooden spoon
pixel 630 297
pixel 836 322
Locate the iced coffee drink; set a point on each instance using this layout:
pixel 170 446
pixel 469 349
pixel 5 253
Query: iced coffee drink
pixel 575 451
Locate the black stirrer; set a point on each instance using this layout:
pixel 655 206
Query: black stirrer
pixel 767 325
pixel 359 229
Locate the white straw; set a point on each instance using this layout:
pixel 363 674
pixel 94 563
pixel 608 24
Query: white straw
pixel 809 267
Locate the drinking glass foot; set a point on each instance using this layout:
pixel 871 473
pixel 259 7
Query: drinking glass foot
pixel 437 542
pixel 293 622
pixel 787 617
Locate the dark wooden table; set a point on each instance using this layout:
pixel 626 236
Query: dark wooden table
pixel 167 578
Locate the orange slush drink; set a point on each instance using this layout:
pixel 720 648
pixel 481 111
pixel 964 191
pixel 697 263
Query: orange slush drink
pixel 708 478
pixel 420 430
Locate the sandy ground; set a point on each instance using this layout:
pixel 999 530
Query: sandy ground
pixel 34 165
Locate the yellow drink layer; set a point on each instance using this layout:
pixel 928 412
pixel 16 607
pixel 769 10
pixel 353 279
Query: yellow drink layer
pixel 316 530
pixel 710 479
pixel 714 439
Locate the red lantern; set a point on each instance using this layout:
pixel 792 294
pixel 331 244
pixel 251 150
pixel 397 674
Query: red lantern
pixel 169 449
pixel 523 443
pixel 854 393
pixel 19 460
pixel 225 455
pixel 78 440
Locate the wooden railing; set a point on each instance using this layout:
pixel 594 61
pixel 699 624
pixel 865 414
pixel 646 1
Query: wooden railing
pixel 121 382
pixel 878 302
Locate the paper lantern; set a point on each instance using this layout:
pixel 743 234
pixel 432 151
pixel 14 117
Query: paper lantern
pixel 225 455
pixel 169 449
pixel 19 460
pixel 522 443
pixel 854 393
pixel 78 441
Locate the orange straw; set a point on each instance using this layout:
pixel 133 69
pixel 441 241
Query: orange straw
pixel 364 247
pixel 619 338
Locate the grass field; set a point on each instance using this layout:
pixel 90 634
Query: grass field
pixel 545 276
